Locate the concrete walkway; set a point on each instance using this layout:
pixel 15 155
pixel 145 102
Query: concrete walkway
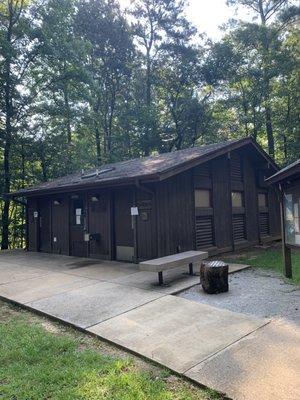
pixel 215 347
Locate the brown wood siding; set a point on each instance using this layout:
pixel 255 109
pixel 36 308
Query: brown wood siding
pixel 32 225
pixel 60 225
pixel 251 201
pixel 274 212
pixel 175 198
pixel 238 227
pixel 44 206
pixel 264 229
pixel 146 225
pixel 99 217
pixel 204 232
pixel 222 203
pixel 236 167
pixel 123 201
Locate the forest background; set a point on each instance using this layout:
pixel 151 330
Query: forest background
pixel 87 82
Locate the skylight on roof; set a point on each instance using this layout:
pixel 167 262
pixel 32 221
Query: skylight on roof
pixel 97 173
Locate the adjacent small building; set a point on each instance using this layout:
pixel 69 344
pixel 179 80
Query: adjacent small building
pixel 212 197
pixel 287 181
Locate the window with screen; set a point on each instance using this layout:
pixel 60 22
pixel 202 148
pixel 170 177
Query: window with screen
pixel 262 200
pixel 202 198
pixel 237 199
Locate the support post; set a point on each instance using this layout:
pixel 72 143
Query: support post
pixel 160 278
pixel 191 270
pixel 134 227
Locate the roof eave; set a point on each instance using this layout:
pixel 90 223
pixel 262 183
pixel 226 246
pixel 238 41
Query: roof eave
pixel 284 175
pixel 86 186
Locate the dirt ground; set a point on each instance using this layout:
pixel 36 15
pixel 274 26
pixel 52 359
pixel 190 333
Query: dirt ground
pixel 254 291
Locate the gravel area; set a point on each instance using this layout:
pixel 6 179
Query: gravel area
pixel 256 292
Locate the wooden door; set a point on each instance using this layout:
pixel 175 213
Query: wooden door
pixel 99 216
pixel 60 224
pixel 44 225
pixel 146 226
pixel 78 226
pixel 124 243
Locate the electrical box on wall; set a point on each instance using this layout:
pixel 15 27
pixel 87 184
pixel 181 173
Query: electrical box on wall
pixel 35 214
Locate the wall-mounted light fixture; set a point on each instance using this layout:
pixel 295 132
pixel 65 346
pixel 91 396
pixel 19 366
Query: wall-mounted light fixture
pixel 95 198
pixel 56 202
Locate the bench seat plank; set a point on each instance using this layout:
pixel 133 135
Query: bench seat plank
pixel 173 261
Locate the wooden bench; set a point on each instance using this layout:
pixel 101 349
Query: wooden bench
pixel 174 261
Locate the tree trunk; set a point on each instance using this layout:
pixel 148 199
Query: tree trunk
pixel 148 104
pixel 68 113
pixel 8 141
pixel 214 277
pixel 269 129
pixel 98 144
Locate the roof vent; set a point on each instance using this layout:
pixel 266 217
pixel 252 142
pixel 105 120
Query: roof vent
pixel 97 173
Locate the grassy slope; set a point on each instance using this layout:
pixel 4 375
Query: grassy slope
pixel 270 258
pixel 38 363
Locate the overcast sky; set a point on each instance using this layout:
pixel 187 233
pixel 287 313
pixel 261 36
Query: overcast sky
pixel 208 15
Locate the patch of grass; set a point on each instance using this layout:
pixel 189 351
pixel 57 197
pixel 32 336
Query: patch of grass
pixel 62 364
pixel 269 258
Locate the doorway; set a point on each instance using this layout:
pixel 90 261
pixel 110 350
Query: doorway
pixel 78 226
pixel 124 241
pixel 44 225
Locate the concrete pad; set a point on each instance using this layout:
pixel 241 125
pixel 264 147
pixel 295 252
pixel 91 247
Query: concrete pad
pixel 95 303
pixel 265 365
pixel 29 290
pixel 14 272
pixel 105 271
pixel 175 280
pixel 175 332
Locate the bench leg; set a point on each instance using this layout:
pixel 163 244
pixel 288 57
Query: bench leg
pixel 191 270
pixel 160 278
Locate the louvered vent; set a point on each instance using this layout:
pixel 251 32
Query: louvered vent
pixel 236 168
pixel 264 224
pixel 204 232
pixel 238 224
pixel 204 170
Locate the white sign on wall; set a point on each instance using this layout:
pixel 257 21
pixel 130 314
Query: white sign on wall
pixel 134 211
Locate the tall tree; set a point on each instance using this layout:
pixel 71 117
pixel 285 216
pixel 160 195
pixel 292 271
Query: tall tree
pixel 157 23
pixel 16 32
pixel 266 35
pixel 110 51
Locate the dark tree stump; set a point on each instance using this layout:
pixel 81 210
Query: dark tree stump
pixel 214 277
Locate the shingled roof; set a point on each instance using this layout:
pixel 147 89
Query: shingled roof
pixel 286 173
pixel 151 168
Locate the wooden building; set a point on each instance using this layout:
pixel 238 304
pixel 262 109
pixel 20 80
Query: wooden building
pixel 287 181
pixel 212 197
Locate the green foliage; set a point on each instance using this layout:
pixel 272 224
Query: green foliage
pixel 270 258
pixel 84 83
pixel 36 365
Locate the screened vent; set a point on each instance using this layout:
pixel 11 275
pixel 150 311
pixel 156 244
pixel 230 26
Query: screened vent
pixel 204 232
pixel 236 168
pixel 238 224
pixel 264 224
pixel 203 170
